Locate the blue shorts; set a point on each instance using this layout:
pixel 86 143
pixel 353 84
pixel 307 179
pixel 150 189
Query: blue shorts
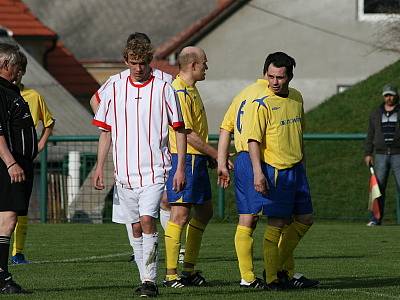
pixel 289 192
pixel 197 189
pixel 248 200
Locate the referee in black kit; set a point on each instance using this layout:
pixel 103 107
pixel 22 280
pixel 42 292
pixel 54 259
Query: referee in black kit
pixel 18 148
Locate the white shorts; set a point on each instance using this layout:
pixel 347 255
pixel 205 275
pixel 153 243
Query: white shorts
pixel 130 204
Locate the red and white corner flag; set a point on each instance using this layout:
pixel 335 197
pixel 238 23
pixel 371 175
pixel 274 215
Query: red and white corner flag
pixel 374 194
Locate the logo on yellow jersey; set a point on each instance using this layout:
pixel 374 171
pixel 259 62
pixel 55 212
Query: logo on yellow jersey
pixel 291 121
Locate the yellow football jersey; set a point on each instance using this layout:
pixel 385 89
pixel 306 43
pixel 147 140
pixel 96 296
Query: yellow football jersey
pixel 194 114
pixel 277 124
pixel 37 106
pixel 233 119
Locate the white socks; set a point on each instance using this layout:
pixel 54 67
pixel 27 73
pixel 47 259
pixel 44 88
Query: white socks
pixel 150 257
pixel 137 245
pixel 164 217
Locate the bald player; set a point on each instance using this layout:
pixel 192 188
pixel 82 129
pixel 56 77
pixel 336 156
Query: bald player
pixel 196 195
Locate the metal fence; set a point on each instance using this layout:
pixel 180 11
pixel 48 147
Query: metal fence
pixel 63 191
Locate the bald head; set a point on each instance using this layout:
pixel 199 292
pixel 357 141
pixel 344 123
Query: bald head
pixel 189 55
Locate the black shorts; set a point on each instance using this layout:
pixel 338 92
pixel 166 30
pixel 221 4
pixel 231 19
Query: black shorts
pixel 16 196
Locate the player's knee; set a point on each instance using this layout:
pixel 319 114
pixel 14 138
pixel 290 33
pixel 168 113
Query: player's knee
pixel 305 219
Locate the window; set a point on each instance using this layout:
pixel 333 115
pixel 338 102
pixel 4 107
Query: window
pixel 378 10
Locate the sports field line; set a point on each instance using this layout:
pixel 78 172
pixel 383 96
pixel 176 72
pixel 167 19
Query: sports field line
pixel 365 293
pixel 80 259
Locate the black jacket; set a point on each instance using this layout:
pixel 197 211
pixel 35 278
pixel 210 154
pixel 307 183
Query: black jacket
pixel 375 141
pixel 16 123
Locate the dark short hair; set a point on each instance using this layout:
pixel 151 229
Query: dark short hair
pixel 279 60
pixel 138 36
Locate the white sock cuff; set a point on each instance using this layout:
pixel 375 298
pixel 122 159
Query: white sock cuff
pixel 150 235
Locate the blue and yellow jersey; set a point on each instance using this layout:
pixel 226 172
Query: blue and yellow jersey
pixel 277 124
pixel 37 106
pixel 194 114
pixel 233 119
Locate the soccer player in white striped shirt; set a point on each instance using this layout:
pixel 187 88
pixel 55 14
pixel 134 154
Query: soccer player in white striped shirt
pixel 134 115
pixel 165 208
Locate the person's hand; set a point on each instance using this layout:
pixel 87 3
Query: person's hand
pixel 261 184
pixel 369 160
pixel 98 179
pixel 178 182
pixel 223 177
pixel 16 173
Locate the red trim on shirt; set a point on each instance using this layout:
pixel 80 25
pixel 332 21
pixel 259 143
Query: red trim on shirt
pixel 116 131
pixel 101 124
pixel 97 97
pixel 150 112
pixel 177 125
pixel 126 134
pixel 142 84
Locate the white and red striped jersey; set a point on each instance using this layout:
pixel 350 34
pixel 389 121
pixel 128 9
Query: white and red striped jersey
pixel 138 116
pixel 124 74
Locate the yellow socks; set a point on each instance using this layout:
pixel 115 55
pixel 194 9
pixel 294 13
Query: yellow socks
pixel 20 235
pixel 172 244
pixel 244 252
pixel 271 253
pixel 193 241
pixel 291 235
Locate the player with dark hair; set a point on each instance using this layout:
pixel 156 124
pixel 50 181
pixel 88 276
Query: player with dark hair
pixel 274 124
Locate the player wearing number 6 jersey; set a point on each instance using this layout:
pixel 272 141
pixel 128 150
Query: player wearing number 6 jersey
pixel 134 115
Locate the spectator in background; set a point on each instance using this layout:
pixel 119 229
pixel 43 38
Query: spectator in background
pixel 383 139
pixel 39 112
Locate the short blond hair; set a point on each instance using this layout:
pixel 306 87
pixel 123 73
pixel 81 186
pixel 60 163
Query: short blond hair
pixel 139 49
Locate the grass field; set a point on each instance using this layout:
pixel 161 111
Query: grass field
pixel 86 261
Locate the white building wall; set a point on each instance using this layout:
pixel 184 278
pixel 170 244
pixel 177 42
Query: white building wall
pixel 330 45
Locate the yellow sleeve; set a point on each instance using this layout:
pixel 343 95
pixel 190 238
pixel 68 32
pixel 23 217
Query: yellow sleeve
pixel 228 123
pixel 186 107
pixel 44 113
pixel 255 121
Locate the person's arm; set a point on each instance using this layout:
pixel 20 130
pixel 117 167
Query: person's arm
pixel 14 170
pixel 94 103
pixel 102 151
pixel 46 132
pixel 196 142
pixel 368 145
pixel 223 154
pixel 260 182
pixel 179 177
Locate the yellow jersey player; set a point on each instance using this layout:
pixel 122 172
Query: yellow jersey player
pixel 197 192
pixel 274 123
pixel 39 112
pixel 248 207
